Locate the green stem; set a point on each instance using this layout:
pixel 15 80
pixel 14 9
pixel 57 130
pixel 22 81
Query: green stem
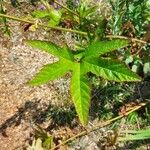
pixel 55 1
pixel 42 25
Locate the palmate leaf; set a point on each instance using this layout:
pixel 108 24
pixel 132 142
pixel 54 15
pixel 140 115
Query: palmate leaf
pixel 80 92
pixel 99 48
pixel 51 72
pixel 110 69
pixel 80 64
pixel 80 89
pixel 51 48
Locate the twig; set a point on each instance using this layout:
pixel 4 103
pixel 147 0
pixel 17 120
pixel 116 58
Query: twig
pixel 42 25
pixel 68 30
pixel 100 125
pixel 137 122
pixel 138 52
pixel 123 37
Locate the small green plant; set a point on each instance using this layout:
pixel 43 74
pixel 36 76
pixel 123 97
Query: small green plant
pixel 53 16
pixel 119 8
pixel 42 140
pixel 135 135
pixel 80 63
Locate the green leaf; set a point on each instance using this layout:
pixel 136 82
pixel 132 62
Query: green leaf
pixel 80 91
pixel 110 69
pixel 145 131
pixel 80 65
pixel 40 13
pixel 103 47
pixel 51 48
pixel 55 17
pixel 135 135
pixel 52 23
pixel 50 72
pixel 89 11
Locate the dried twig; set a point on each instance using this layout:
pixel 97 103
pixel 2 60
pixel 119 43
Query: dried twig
pixel 123 37
pixel 42 25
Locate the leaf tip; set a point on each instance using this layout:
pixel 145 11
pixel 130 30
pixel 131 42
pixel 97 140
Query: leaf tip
pixel 28 42
pixel 29 83
pixel 32 83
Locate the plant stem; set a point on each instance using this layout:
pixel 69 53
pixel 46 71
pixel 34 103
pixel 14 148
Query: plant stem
pixel 69 30
pixel 42 25
pixel 55 1
pixel 101 125
pixel 127 38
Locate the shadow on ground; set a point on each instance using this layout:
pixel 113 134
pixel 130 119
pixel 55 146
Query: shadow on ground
pixel 105 103
pixel 31 112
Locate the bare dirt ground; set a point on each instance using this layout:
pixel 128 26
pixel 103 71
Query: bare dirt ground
pixel 20 104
